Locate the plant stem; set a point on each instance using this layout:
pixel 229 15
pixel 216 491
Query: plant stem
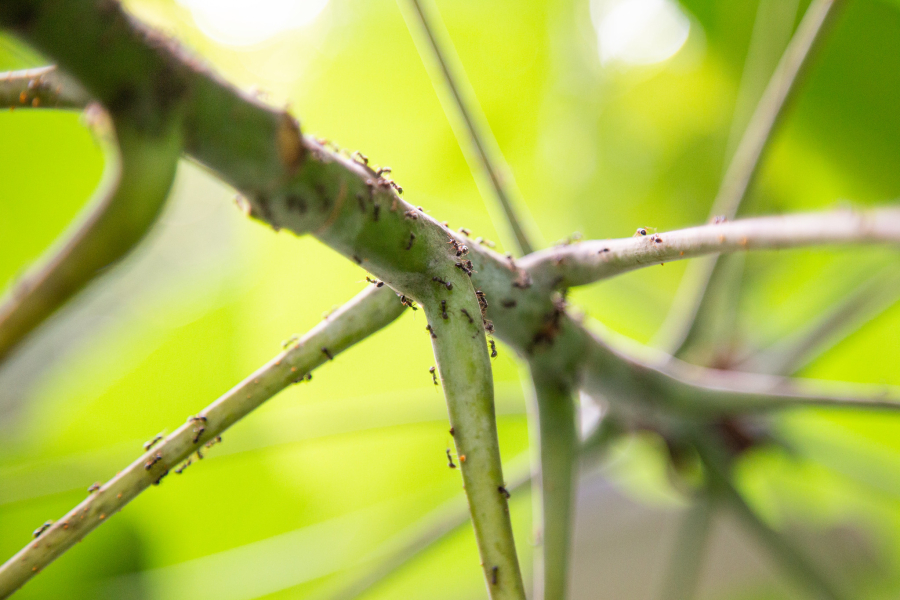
pixel 139 172
pixel 43 87
pixel 745 163
pixel 686 558
pixel 787 557
pixel 465 371
pixel 554 483
pixel 368 312
pixel 587 262
pixel 474 136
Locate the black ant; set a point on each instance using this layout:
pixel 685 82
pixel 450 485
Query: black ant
pixel 374 282
pixel 465 267
pixel 408 302
pixel 433 372
pixel 468 316
pixel 489 327
pixel 357 155
pixel 382 171
pixel 327 353
pixel 158 479
pixel 153 460
pixel 494 571
pixel 450 460
pixel 184 466
pixel 656 238
pixel 493 348
pixel 603 250
pixel 412 239
pixel 431 331
pixel 465 231
pixel 307 377
pixel 504 491
pixel 214 441
pixel 444 309
pixel 94 487
pixel 482 300
pixel 149 444
pixel 37 532
pixel 198 431
pixel 448 284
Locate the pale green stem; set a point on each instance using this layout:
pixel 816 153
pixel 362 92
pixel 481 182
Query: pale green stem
pixel 135 186
pixel 686 558
pixel 863 304
pixel 474 134
pixel 745 163
pixel 368 312
pixel 590 261
pixel 787 557
pixel 461 352
pixel 554 483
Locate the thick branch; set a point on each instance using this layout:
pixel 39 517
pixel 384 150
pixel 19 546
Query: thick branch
pixel 368 312
pixel 587 262
pixel 555 480
pixel 136 184
pixel 465 370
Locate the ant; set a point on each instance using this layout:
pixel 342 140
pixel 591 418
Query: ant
pixel 508 303
pixel 433 372
pixel 307 377
pixel 411 214
pixel 408 302
pixel 327 353
pixel 37 532
pixel 158 479
pixel 450 460
pixel 444 309
pixel 153 460
pixel 465 267
pixel 489 327
pixel 641 231
pixel 656 238
pixel 465 231
pixel 184 466
pixel 448 284
pixel 198 431
pixel 359 156
pixel 382 171
pixel 468 316
pixel 504 491
pixel 494 571
pixel 94 487
pixel 431 331
pixel 482 300
pixel 214 441
pixel 412 239
pixel 493 349
pixel 286 343
pixel 374 282
pixel 149 444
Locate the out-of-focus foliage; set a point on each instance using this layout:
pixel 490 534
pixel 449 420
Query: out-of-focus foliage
pixel 304 489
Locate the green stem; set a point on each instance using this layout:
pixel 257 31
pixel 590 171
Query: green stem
pixel 371 310
pixel 465 371
pixel 787 557
pixel 683 573
pixel 134 189
pixel 476 141
pixel 555 482
pixel 745 163
pixel 43 87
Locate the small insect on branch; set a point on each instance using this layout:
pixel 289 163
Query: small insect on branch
pixel 434 376
pixel 450 460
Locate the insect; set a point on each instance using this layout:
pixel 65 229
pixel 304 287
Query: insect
pixel 408 302
pixel 431 331
pixel 465 231
pixel 412 239
pixel 466 267
pixel 493 348
pixel 642 231
pixel 489 327
pixel 450 460
pixel 508 303
pixel 447 284
pixel 94 487
pixel 482 301
pixel 468 316
pixel 359 156
pixel 198 430
pixel 374 282
pixel 494 571
pixel 42 528
pixel 285 344
pixel 150 443
pixel 152 461
pixel 326 352
pixel 503 491
pixel 382 171
pixel 444 309
pixel 433 372
pixel 184 466
pixel 656 238
pixel 411 214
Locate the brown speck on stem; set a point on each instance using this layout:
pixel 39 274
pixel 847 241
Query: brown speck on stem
pixel 290 143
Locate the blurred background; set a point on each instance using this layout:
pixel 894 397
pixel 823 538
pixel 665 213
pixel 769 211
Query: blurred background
pixel 613 114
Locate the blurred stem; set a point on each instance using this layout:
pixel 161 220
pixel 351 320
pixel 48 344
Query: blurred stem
pixel 689 300
pixel 474 136
pixel 686 558
pixel 461 352
pixel 139 171
pixel 863 304
pixel 787 557
pixel 554 482
pixel 590 261
pixel 368 312
pixel 43 87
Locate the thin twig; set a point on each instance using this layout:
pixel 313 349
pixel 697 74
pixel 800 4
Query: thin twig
pixel 787 557
pixel 861 306
pixel 745 163
pixel 587 262
pixel 686 557
pixel 368 312
pixel 476 140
